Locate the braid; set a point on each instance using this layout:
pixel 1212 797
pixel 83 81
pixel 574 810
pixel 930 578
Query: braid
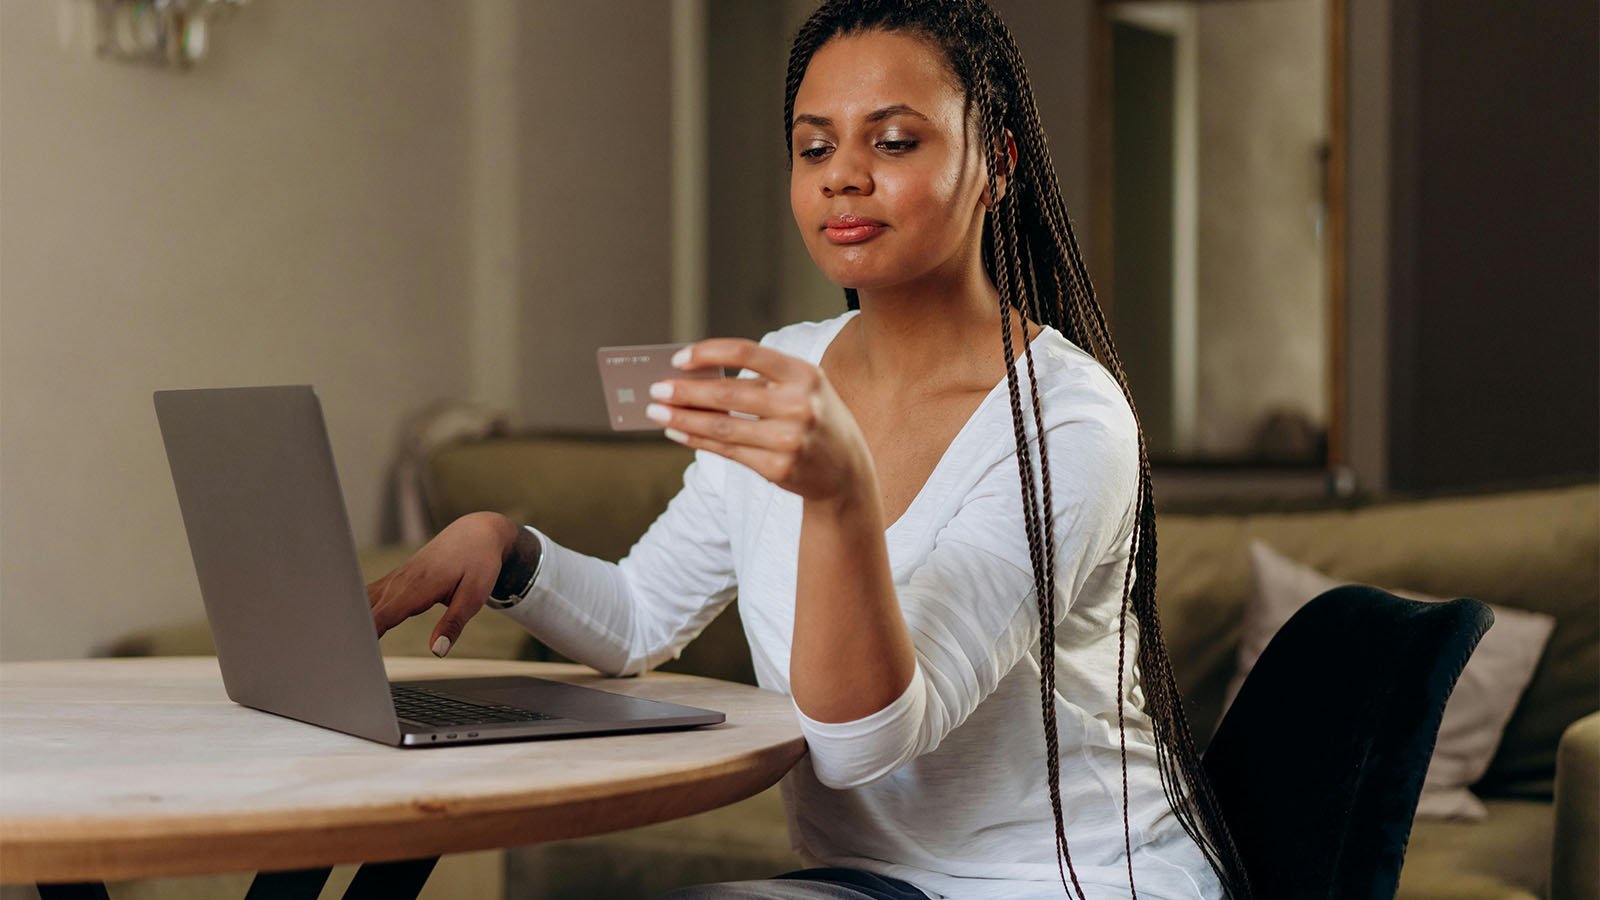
pixel 1031 254
pixel 1174 739
pixel 1041 540
pixel 1035 154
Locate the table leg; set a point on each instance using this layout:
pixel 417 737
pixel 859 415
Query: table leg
pixel 86 891
pixel 401 880
pixel 296 884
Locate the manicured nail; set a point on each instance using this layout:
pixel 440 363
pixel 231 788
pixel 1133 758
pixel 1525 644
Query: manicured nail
pixel 661 390
pixel 657 412
pixel 441 646
pixel 676 435
pixel 681 358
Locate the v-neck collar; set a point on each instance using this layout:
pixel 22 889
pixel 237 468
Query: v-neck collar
pixel 820 348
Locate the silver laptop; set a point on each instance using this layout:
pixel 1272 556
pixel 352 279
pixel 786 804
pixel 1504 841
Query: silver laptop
pixel 287 604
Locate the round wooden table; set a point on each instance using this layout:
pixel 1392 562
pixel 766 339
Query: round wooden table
pixel 133 768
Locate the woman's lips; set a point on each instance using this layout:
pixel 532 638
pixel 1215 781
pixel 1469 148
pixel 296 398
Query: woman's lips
pixel 849 228
pixel 855 234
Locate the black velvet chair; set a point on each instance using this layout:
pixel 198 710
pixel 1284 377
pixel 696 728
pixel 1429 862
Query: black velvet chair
pixel 1318 763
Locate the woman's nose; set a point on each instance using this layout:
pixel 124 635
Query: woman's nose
pixel 847 171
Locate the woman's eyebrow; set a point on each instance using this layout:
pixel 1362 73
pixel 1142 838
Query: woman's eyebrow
pixel 898 109
pixel 877 115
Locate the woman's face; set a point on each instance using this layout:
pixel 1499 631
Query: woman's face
pixel 880 134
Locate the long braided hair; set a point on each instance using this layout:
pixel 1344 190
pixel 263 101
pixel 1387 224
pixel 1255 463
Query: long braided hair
pixel 1031 254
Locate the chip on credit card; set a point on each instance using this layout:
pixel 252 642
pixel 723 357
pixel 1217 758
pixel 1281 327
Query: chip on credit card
pixel 626 373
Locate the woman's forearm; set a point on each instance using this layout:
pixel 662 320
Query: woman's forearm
pixel 852 655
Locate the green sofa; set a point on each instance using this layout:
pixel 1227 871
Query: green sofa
pixel 1535 549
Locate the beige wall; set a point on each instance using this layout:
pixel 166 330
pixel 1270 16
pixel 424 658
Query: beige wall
pixel 595 159
pixel 293 210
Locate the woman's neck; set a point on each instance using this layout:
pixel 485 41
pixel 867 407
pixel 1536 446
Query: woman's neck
pixel 932 336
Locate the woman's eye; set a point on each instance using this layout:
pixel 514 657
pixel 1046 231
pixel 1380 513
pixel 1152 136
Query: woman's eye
pixel 812 152
pixel 897 146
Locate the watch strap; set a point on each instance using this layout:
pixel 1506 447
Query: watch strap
pixel 520 570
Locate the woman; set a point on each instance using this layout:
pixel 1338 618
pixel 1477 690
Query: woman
pixel 898 551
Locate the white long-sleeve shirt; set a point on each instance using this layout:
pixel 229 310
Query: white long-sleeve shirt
pixel 945 788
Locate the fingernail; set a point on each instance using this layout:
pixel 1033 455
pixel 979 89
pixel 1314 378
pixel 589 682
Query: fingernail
pixel 441 646
pixel 676 435
pixel 657 412
pixel 681 358
pixel 661 390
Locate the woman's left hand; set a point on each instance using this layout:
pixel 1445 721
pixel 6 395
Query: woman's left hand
pixel 803 437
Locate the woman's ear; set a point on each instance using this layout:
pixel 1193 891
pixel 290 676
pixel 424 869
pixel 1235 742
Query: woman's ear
pixel 1002 179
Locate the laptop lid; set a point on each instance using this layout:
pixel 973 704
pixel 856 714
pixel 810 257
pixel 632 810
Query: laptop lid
pixel 276 557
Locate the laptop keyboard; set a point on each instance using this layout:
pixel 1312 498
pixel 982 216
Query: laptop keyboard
pixel 433 708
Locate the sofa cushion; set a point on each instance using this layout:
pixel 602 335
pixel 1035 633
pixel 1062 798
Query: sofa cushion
pixel 1504 857
pixel 1479 707
pixel 1202 582
pixel 1536 550
pixel 595 495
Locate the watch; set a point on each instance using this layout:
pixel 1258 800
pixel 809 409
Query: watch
pixel 520 570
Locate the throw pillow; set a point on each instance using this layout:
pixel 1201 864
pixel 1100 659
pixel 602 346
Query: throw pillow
pixel 1478 709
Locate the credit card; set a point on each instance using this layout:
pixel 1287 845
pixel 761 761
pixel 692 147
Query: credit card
pixel 626 373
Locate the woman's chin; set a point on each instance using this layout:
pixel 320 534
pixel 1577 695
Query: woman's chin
pixel 864 273
pixel 852 265
pixel 857 279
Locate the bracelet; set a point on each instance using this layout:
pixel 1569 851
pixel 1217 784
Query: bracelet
pixel 520 571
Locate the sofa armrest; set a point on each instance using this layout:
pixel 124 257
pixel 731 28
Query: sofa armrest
pixel 1575 867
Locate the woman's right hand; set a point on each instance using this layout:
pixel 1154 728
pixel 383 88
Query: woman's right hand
pixel 457 568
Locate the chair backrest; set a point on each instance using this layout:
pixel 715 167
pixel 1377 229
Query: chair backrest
pixel 1319 762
